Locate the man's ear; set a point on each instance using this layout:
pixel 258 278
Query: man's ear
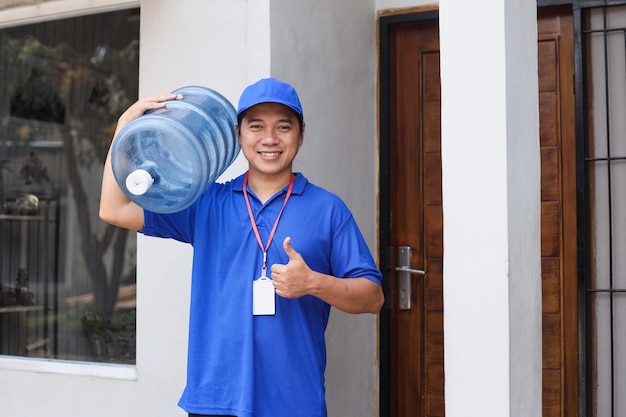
pixel 302 133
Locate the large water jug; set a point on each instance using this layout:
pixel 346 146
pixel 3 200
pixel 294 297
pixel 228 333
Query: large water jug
pixel 165 159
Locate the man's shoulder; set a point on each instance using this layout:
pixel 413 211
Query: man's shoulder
pixel 314 190
pixel 229 185
pixel 320 198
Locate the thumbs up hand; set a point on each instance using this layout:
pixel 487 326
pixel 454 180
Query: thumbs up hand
pixel 295 279
pixel 292 280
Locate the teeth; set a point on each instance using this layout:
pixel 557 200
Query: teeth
pixel 270 154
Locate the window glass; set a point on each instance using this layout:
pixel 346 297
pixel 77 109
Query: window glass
pixel 67 279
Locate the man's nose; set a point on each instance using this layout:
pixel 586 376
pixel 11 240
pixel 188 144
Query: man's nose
pixel 269 137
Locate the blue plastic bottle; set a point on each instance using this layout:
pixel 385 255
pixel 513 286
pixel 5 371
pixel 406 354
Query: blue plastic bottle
pixel 165 159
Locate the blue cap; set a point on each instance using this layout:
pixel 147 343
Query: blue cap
pixel 269 90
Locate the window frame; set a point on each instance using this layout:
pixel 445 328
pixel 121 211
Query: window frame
pixel 48 10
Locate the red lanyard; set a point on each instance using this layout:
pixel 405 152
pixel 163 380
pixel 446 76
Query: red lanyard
pixel 255 229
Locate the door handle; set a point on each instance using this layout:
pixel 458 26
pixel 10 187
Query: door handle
pixel 404 277
pixel 409 270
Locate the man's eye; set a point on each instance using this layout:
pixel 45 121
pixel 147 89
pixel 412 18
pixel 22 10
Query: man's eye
pixel 284 128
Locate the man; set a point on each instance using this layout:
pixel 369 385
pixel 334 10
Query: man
pixel 256 345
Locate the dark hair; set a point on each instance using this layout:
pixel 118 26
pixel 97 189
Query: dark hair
pixel 299 117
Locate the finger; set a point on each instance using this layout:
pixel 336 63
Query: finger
pixel 276 269
pixel 289 250
pixel 154 102
pixel 162 97
pixel 157 101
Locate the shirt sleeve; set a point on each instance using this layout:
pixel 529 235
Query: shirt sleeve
pixel 350 255
pixel 177 226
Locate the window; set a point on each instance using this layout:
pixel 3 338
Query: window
pixel 67 279
pixel 604 34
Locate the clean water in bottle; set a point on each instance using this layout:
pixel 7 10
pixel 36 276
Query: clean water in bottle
pixel 165 159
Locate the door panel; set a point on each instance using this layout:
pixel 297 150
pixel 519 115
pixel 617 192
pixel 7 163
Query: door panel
pixel 416 220
pixel 558 212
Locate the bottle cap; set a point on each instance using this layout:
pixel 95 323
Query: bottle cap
pixel 139 181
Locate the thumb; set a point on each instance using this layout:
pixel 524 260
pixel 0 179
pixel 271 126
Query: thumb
pixel 289 250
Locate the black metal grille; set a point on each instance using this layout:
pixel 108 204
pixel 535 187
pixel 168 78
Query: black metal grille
pixel 602 59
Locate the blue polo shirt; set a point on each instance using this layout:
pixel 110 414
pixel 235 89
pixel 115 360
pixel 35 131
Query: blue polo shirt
pixel 260 366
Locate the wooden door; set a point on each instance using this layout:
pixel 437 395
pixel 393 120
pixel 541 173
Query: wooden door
pixel 416 221
pixel 558 212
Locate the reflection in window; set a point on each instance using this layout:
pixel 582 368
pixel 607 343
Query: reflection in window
pixel 67 280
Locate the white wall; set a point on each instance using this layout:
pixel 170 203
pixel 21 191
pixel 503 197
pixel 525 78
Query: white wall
pixel 524 209
pixel 491 197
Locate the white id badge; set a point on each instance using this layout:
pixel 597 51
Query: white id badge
pixel 263 297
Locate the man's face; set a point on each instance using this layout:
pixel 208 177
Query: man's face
pixel 270 138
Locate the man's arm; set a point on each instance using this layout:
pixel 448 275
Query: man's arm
pixel 353 295
pixel 115 207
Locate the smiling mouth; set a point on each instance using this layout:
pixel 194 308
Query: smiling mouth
pixel 270 154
